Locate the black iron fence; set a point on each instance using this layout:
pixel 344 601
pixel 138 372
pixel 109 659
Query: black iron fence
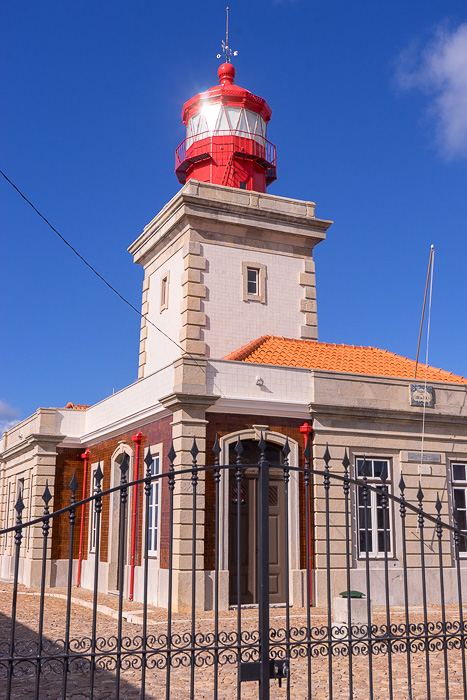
pixel 401 635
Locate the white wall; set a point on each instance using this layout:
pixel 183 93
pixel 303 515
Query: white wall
pixel 233 322
pixel 159 350
pixel 131 404
pixel 237 380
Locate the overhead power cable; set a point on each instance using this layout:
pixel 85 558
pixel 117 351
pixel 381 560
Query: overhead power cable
pixel 93 269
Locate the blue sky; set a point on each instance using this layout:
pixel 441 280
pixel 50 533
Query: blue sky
pixel 369 118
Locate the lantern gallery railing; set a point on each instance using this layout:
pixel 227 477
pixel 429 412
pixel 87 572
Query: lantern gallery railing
pixel 396 630
pixel 211 142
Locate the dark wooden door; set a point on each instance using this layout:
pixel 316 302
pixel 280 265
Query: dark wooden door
pixel 277 562
pixel 246 544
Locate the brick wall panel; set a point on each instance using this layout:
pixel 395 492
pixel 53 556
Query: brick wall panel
pixel 69 459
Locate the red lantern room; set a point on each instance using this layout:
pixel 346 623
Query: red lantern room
pixel 226 137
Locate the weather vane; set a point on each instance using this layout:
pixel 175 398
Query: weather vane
pixel 226 50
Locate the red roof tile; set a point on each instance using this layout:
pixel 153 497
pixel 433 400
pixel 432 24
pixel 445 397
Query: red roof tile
pixel 76 406
pixel 272 350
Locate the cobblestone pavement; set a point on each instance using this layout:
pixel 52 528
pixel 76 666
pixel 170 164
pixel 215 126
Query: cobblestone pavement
pixel 105 680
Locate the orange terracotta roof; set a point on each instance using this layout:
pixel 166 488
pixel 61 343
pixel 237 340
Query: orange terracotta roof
pixel 76 406
pixel 272 350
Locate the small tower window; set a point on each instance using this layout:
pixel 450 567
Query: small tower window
pixel 254 282
pixel 165 291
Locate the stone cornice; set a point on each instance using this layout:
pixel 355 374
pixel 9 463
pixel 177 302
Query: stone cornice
pixel 382 414
pixel 284 409
pixel 178 399
pixel 214 204
pixel 28 443
pixel 384 379
pixel 124 425
pixel 208 209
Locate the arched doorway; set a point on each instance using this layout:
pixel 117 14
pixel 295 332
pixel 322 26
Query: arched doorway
pixel 243 542
pixel 114 561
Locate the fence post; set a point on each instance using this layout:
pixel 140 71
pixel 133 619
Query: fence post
pixel 263 571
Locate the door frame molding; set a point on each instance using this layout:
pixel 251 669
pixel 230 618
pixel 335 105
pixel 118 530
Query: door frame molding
pixel 114 516
pixel 294 499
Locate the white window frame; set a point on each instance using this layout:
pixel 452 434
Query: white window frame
pixel 252 280
pixel 373 510
pixel 460 485
pixel 260 294
pixel 29 511
pixel 10 510
pixel 92 511
pixel 19 488
pixel 153 518
pixel 7 514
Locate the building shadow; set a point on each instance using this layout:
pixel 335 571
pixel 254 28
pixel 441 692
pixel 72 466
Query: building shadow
pixel 51 678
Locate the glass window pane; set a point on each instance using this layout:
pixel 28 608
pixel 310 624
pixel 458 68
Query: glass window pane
pixel 233 113
pixel 252 119
pixel 378 467
pixel 458 472
pixel 363 541
pixel 202 126
pixel 380 518
pixel 261 127
pixel 459 498
pixel 195 121
pixel 222 123
pixel 252 281
pixel 273 454
pixel 381 540
pixel 461 520
pixel 369 467
pixel 254 125
pixel 193 128
pixel 243 124
pixel 210 114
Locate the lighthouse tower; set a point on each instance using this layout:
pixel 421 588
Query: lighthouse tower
pixel 226 140
pixel 225 262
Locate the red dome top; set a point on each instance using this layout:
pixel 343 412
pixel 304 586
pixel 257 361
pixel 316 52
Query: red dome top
pixel 226 73
pixel 229 94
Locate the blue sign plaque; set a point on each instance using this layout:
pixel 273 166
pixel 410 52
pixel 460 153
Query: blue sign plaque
pixel 421 395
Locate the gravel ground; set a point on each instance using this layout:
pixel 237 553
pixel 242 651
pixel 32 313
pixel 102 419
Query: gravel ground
pixel 105 682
